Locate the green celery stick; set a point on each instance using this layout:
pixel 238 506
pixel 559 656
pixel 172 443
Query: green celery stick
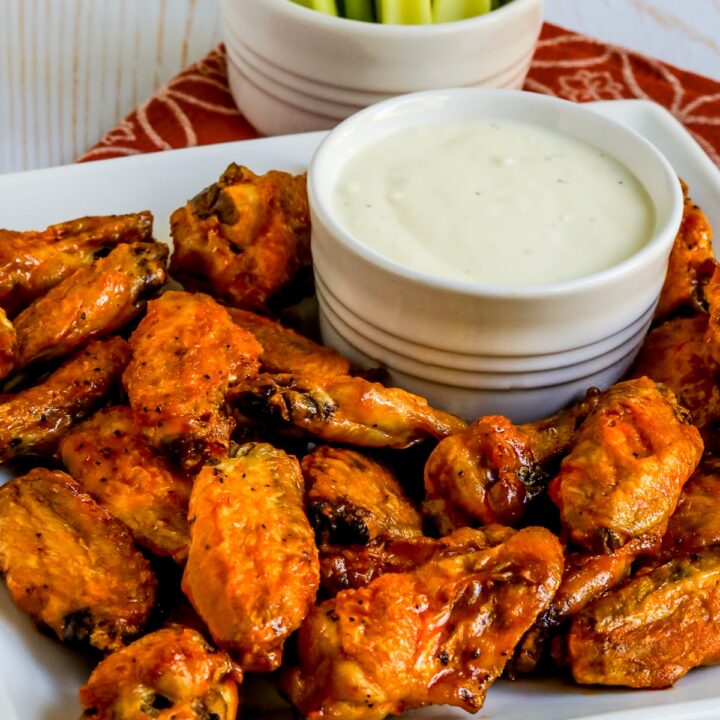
pixel 360 10
pixel 327 6
pixel 451 10
pixel 403 12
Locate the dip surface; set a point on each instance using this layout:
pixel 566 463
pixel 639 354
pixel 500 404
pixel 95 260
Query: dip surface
pixel 494 201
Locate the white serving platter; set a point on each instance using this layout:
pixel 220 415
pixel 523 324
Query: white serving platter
pixel 39 679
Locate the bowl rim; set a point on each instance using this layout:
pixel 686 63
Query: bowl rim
pixel 656 245
pixel 371 29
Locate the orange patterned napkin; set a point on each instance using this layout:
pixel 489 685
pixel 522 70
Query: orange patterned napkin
pixel 196 107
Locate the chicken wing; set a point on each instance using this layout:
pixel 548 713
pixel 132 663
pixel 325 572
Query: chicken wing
pixel 343 410
pixel 8 345
pixel 243 239
pixel 33 262
pixel 187 352
pixel 653 630
pixel 285 351
pixel 691 265
pixel 441 634
pixel 695 524
pixel 113 462
pixel 356 566
pixel 34 420
pixel 70 564
pixel 627 466
pixel 677 355
pixel 170 674
pixel 353 499
pixel 93 301
pixel 492 471
pixel 252 570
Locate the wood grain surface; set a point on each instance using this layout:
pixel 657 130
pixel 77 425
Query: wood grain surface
pixel 71 69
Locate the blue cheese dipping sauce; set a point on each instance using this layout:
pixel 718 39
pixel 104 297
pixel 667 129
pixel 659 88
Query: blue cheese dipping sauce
pixel 494 201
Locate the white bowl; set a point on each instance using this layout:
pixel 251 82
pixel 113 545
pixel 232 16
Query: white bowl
pixel 289 41
pixel 575 332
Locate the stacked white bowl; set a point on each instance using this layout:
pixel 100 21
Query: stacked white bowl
pixel 294 70
pixel 476 348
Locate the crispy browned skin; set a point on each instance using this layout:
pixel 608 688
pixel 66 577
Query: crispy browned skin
pixel 441 634
pixel 244 238
pixel 344 410
pixel 187 352
pixel 94 301
pixel 654 629
pixel 34 420
pixel 8 345
pixel 627 465
pixel 493 470
pixel 252 572
pixel 33 262
pixel 286 351
pixel 70 564
pixel 353 499
pixel 585 578
pixel 355 566
pixel 677 355
pixel 695 524
pixel 113 462
pixel 170 674
pixel 691 264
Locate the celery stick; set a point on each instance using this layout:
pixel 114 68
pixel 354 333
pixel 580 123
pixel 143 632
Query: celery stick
pixel 359 10
pixel 403 12
pixel 327 6
pixel 451 10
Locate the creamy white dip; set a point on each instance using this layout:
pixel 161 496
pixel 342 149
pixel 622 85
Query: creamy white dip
pixel 494 201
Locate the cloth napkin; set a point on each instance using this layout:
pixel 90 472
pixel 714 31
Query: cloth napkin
pixel 196 107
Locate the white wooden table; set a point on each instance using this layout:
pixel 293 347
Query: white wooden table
pixel 71 69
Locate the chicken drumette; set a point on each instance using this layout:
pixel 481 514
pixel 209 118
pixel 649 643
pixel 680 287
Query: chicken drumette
pixel 170 674
pixel 8 345
pixel 626 468
pixel 70 564
pixel 243 239
pixel 33 262
pixel 252 570
pixel 113 462
pixel 441 634
pixel 187 352
pixel 353 499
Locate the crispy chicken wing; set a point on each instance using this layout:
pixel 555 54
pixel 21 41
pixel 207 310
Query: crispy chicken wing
pixel 187 352
pixel 113 462
pixel 653 630
pixel 94 301
pixel 691 264
pixel 244 238
pixel 695 524
pixel 441 634
pixel 627 466
pixel 344 410
pixel 33 262
pixel 286 351
pixel 355 566
pixel 34 420
pixel 677 355
pixel 493 470
pixel 170 674
pixel 70 564
pixel 252 571
pixel 353 499
pixel 8 345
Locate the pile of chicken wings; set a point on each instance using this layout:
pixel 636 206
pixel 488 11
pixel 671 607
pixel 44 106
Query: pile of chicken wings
pixel 213 493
